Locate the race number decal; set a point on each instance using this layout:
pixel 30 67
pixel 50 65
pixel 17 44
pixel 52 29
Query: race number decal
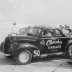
pixel 37 52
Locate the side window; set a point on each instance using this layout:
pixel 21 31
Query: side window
pixel 58 33
pixel 30 31
pixel 48 33
pixel 34 31
pixel 39 30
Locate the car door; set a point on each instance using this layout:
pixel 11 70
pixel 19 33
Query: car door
pixel 61 40
pixel 47 40
pixel 53 41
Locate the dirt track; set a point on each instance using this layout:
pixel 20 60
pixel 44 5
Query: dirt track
pixel 51 64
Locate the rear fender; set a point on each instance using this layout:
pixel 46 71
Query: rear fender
pixel 68 44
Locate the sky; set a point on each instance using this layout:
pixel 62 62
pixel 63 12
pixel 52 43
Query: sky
pixel 33 12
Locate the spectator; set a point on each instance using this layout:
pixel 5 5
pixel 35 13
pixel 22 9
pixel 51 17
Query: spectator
pixel 67 31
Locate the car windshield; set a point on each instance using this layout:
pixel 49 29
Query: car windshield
pixel 34 31
pixel 29 31
pixel 23 30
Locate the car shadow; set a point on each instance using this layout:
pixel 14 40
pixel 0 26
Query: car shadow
pixel 49 58
pixel 7 61
pixel 61 61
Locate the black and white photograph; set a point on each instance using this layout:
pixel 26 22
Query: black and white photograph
pixel 35 35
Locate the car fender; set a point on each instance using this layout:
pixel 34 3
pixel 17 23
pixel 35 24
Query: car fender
pixel 68 44
pixel 34 50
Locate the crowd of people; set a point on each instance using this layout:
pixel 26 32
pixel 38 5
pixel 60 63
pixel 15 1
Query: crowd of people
pixel 66 30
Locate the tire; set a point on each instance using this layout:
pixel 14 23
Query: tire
pixel 70 52
pixel 23 57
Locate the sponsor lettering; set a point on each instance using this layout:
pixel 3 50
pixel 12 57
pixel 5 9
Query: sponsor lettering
pixel 54 47
pixel 49 42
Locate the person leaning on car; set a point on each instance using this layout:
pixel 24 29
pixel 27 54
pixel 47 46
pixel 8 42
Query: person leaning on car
pixel 67 31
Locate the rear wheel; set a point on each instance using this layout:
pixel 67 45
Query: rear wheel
pixel 23 57
pixel 70 52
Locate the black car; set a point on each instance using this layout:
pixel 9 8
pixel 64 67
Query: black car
pixel 33 42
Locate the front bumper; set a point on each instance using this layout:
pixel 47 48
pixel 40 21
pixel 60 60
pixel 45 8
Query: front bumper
pixel 2 47
pixel 5 48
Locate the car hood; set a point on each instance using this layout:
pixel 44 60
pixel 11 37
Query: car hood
pixel 22 38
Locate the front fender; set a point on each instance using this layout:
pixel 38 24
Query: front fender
pixel 34 50
pixel 27 45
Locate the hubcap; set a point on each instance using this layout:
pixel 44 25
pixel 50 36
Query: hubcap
pixel 23 57
pixel 70 51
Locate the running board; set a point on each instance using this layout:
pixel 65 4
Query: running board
pixel 45 55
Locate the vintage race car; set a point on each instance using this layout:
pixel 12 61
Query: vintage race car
pixel 33 42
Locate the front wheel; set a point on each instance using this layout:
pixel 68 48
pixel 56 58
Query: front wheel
pixel 23 57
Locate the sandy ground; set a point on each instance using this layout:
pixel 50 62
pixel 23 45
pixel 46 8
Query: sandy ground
pixel 51 64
